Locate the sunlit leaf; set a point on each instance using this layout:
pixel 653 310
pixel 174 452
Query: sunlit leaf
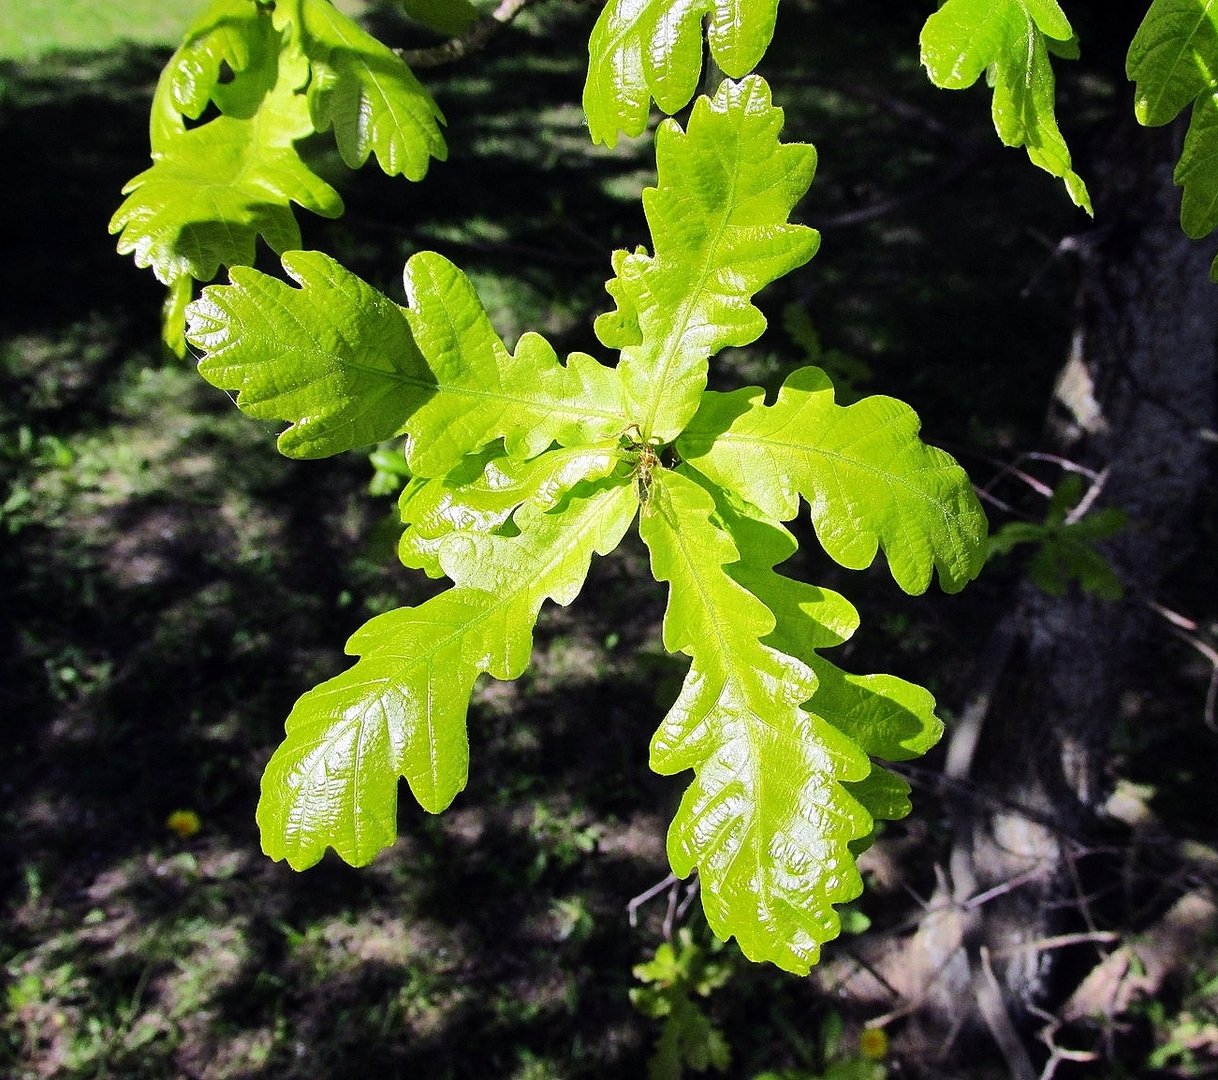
pixel 766 821
pixel 1009 41
pixel 644 49
pixel 400 711
pixel 1174 61
pixel 718 218
pixel 868 479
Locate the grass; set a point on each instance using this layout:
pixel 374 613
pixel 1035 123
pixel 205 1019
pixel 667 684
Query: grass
pixel 32 28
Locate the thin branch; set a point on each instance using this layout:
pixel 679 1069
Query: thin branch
pixel 1058 941
pixel 473 40
pixel 633 905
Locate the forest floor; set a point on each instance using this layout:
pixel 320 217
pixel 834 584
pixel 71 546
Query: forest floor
pixel 169 585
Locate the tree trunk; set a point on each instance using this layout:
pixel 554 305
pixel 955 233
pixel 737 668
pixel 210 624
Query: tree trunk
pixel 1135 402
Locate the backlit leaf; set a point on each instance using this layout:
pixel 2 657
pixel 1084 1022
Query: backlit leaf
pixel 214 189
pixel 365 92
pixel 718 218
pixel 348 367
pixel 346 372
pixel 1174 61
pixel 868 479
pixel 1008 40
pixel 400 710
pixel 766 821
pixel 644 49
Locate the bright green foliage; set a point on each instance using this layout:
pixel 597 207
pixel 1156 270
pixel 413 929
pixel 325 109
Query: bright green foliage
pixel 342 362
pixel 766 820
pixel 215 187
pixel 363 91
pixel 1174 61
pixel 867 477
pixel 524 466
pixel 400 711
pixel 286 352
pixel 718 218
pixel 681 972
pixel 644 49
pixel 1009 40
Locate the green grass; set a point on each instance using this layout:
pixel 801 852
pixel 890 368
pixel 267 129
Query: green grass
pixel 30 29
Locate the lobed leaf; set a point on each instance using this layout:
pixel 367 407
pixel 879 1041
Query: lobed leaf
pixel 644 49
pixel 766 821
pixel 868 479
pixel 226 32
pixel 485 489
pixel 890 719
pixel 1173 60
pixel 718 219
pixel 214 189
pixel 400 710
pixel 365 92
pixel 345 371
pixel 1009 40
pixel 348 367
pixel 526 397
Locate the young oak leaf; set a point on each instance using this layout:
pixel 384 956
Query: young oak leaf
pixel 485 489
pixel 346 372
pixel 227 32
pixel 400 710
pixel 868 479
pixel 718 219
pixel 527 397
pixel 766 820
pixel 365 92
pixel 214 189
pixel 1009 40
pixel 644 49
pixel 348 367
pixel 1173 59
pixel 890 719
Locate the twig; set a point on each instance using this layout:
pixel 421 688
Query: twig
pixel 993 1008
pixel 633 905
pixel 1057 941
pixel 1185 629
pixel 475 38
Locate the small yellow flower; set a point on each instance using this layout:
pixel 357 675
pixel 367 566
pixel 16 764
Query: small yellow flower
pixel 873 1044
pixel 183 823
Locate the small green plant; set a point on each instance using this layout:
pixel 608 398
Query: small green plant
pixel 1064 544
pixel 680 974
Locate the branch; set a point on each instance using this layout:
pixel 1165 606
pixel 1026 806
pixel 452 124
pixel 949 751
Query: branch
pixel 474 39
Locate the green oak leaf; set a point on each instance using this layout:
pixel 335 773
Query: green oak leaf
pixel 890 719
pixel 348 367
pixel 400 710
pixel 485 489
pixel 1008 40
pixel 214 189
pixel 718 219
pixel 235 33
pixel 644 49
pixel 1173 59
pixel 346 372
pixel 527 397
pixel 365 92
pixel 868 479
pixel 766 821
